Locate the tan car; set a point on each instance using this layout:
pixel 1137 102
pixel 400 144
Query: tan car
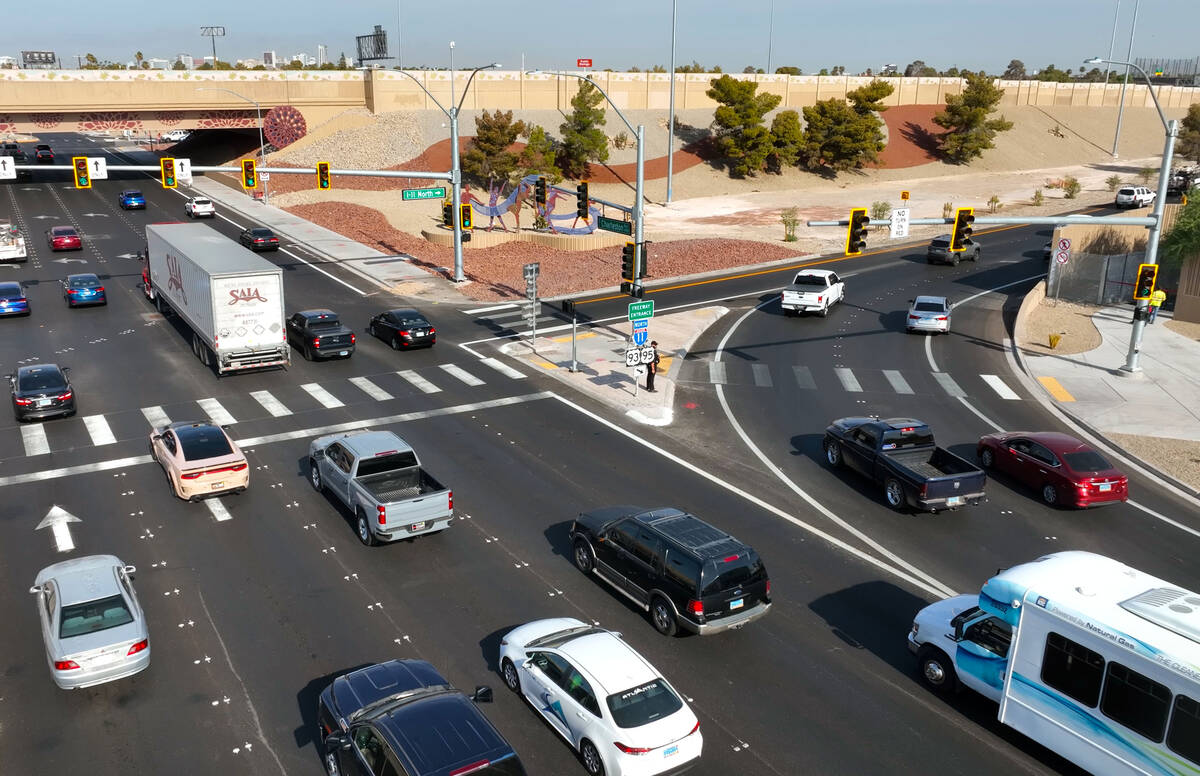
pixel 199 460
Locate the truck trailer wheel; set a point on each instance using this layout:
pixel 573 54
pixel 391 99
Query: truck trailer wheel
pixel 893 493
pixel 363 529
pixel 937 672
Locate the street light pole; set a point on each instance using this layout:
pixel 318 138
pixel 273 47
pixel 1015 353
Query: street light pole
pixel 1164 173
pixel 671 120
pixel 262 148
pixel 1124 83
pixel 1112 41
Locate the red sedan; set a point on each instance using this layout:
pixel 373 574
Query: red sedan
pixel 64 238
pixel 1064 470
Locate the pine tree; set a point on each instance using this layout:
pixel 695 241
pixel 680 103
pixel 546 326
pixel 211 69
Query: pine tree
pixel 538 156
pixel 741 136
pixel 838 137
pixel 969 131
pixel 487 158
pixel 1188 144
pixel 786 139
pixel 583 140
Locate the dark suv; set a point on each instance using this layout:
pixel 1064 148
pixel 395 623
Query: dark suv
pixel 402 718
pixel 939 251
pixel 683 571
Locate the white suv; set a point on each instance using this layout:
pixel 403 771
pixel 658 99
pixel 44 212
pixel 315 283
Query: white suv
pixel 1134 196
pixel 175 135
pixel 199 207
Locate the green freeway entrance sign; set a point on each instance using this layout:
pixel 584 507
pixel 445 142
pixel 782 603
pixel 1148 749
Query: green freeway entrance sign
pixel 614 225
pixel 640 310
pixel 410 194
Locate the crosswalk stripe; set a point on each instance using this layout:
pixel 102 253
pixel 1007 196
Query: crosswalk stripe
pixel 270 403
pixel 481 310
pixel 503 368
pixel 156 417
pixel 804 378
pixel 899 384
pixel 762 375
pixel 999 387
pixel 848 380
pixel 462 374
pixel 98 430
pixel 34 439
pixel 948 385
pixel 327 399
pixel 219 512
pixel 418 381
pixel 505 316
pixel 717 373
pixel 216 413
pixel 371 389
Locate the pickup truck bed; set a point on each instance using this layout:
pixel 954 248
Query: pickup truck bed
pixel 930 467
pixel 389 487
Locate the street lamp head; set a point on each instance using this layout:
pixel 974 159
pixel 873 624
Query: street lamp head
pixel 494 65
pixel 1094 61
pixel 451 44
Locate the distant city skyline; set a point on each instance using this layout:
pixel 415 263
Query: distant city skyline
pixel 632 33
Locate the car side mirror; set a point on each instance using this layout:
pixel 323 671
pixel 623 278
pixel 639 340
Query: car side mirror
pixel 131 570
pixel 337 741
pixel 318 455
pixel 156 437
pixel 528 663
pixel 36 589
pixel 482 694
pixel 66 369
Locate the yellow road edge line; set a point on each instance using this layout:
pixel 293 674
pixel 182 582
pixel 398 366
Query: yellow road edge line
pixel 546 365
pixel 582 335
pixel 1055 388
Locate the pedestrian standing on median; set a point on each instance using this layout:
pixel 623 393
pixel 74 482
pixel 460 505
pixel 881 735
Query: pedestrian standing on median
pixel 1156 301
pixel 652 369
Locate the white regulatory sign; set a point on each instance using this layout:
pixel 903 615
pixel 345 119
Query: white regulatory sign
pixel 899 226
pixel 98 167
pixel 183 170
pixel 647 355
pixel 633 356
pixel 8 169
pixel 1064 243
pixel 1062 257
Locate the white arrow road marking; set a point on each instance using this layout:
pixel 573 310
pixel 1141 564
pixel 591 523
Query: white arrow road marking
pixel 39 218
pixel 127 255
pixel 57 519
pixel 69 261
pixel 34 439
pixel 95 215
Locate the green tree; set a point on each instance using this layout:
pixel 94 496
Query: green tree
pixel 1183 241
pixel 788 70
pixel 951 73
pixel 487 158
pixel 752 70
pixel 178 65
pixel 919 68
pixel 1015 71
pixel 1052 73
pixel 741 136
pixel 868 99
pixel 1188 143
pixel 583 139
pixel 837 137
pixel 658 69
pixel 138 60
pixel 538 156
pixel 969 131
pixel 90 62
pixel 786 139
pixel 823 71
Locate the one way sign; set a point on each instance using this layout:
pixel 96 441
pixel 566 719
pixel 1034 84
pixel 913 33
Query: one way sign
pixel 8 169
pixel 99 167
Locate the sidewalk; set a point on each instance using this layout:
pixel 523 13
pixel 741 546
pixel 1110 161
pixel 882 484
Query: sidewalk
pixel 1153 415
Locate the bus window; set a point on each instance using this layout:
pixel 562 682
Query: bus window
pixel 1184 735
pixel 992 634
pixel 1136 701
pixel 1072 668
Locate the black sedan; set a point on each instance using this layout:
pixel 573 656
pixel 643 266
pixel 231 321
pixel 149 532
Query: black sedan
pixel 259 238
pixel 41 391
pixel 84 288
pixel 403 328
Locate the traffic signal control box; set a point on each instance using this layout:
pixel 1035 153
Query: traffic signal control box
pixel 167 168
pixel 82 179
pixel 249 174
pixel 964 217
pixel 323 181
pixel 856 231
pixel 1144 287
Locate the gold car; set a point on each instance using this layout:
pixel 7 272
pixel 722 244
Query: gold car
pixel 199 460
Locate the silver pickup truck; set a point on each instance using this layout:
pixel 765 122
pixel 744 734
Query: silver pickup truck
pixel 379 477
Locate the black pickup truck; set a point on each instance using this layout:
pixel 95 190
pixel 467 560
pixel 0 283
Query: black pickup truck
pixel 319 334
pixel 899 453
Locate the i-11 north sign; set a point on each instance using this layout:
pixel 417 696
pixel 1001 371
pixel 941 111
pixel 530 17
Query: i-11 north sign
pixel 411 194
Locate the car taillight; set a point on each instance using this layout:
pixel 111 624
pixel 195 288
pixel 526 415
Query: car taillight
pixel 73 291
pixel 432 330
pixel 450 501
pixel 924 489
pixel 100 290
pixel 820 299
pixel 694 729
pixel 632 749
pixel 23 402
pixel 316 342
pixel 405 332
pixel 382 514
pixel 352 340
pixel 138 647
pixel 190 475
pixel 479 766
pixel 695 607
pixel 941 318
pixel 65 665
pixel 912 317
pixel 64 396
pixel 768 587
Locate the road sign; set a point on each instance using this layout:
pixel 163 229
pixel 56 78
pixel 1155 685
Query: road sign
pixel 641 331
pixel 647 355
pixel 614 225
pixel 639 310
pixel 532 270
pixel 900 222
pixel 265 176
pixel 583 63
pixel 408 195
pixel 633 356
pixel 98 168
pixel 904 196
pixel 1064 243
pixel 8 169
pixel 1063 254
pixel 183 170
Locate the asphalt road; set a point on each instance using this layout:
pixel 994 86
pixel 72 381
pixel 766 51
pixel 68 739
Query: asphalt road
pixel 255 604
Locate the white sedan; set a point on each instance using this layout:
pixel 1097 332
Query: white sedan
pixel 613 707
pixel 199 207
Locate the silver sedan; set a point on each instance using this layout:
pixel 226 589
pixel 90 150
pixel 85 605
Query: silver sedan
pixel 928 313
pixel 92 623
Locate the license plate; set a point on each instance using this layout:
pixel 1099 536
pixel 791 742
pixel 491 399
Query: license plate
pixel 417 526
pixel 738 604
pixel 343 352
pixel 954 501
pixel 670 750
pixel 43 402
pixel 1105 487
pixel 217 485
pixel 421 334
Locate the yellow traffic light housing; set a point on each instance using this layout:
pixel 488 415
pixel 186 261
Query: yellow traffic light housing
pixel 856 231
pixel 166 167
pixel 82 179
pixel 249 174
pixel 323 181
pixel 1147 274
pixel 963 218
pixel 465 216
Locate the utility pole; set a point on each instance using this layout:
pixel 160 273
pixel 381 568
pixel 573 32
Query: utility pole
pixel 1112 41
pixel 671 120
pixel 1124 83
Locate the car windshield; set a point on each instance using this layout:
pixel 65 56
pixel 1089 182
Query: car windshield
pixel 325 323
pixel 94 616
pixel 63 231
pixel 1126 192
pixel 262 233
pixel 85 283
pixel 643 704
pixel 900 438
pixel 201 202
pixel 810 280
pixel 941 242
pixel 10 292
pixel 41 380
pixel 929 307
pixel 744 569
pixel 409 320
pixel 203 442
pixel 1087 461
pixel 133 193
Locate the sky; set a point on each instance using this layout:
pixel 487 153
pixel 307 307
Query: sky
pixel 619 34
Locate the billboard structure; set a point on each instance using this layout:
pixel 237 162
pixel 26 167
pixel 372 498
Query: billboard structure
pixel 373 46
pixel 39 60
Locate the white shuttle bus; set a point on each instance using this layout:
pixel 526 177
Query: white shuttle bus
pixel 1094 660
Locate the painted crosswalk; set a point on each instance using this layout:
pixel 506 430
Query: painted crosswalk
pixel 461 374
pixel 370 389
pixel 216 413
pixel 98 430
pixel 897 381
pixel 35 440
pixel 848 380
pixel 502 368
pixel 324 397
pixel 997 385
pixel 270 404
pixel 156 417
pixel 420 383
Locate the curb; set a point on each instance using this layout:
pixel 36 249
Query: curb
pixel 1046 400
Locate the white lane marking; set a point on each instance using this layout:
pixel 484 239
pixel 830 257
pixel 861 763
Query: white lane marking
pixel 327 399
pixel 503 368
pixel 512 314
pixel 270 403
pixel 156 417
pixel 34 439
pixel 304 433
pixel 1164 518
pixel 948 385
pixel 219 512
pixel 848 380
pixel 933 367
pixel 216 413
pixel 999 387
pixel 716 372
pixel 899 384
pixel 762 375
pixel 371 389
pixel 461 374
pixel 418 381
pixel 323 272
pixel 99 431
pixel 804 378
pixel 481 310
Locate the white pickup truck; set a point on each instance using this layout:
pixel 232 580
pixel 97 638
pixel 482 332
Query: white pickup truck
pixel 12 244
pixel 812 291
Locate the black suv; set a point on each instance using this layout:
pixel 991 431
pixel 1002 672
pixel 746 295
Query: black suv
pixel 680 569
pixel 402 718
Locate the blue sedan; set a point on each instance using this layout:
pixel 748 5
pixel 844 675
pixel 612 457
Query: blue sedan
pixel 12 299
pixel 83 288
pixel 132 199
